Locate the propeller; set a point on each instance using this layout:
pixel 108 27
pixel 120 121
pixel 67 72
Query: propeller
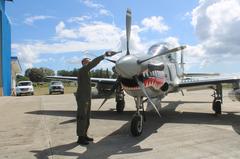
pixel 128 28
pixel 110 93
pixel 113 61
pixel 141 85
pixel 112 53
pixel 164 53
pixel 128 31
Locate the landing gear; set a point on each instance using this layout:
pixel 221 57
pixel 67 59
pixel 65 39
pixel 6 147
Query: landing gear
pixel 120 99
pixel 217 108
pixel 138 118
pixel 137 125
pixel 218 99
pixel 120 106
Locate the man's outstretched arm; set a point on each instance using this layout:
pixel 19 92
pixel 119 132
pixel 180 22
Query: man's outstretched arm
pixel 94 62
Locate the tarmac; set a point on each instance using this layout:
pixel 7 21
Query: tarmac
pixel 44 127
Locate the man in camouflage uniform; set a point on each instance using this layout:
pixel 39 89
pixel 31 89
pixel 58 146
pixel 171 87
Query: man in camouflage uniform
pixel 83 97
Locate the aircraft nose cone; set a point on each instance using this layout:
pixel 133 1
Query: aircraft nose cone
pixel 127 66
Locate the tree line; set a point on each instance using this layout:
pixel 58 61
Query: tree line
pixel 97 73
pixel 39 74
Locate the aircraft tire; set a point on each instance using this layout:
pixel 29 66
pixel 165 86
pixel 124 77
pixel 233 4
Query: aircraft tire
pixel 217 107
pixel 137 125
pixel 120 106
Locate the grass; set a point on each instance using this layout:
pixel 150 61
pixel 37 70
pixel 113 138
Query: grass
pixel 44 90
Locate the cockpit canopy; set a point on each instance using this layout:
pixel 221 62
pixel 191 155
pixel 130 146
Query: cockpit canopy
pixel 159 48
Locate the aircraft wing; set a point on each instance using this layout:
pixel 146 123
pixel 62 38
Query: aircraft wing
pixel 64 78
pixel 108 81
pixel 194 82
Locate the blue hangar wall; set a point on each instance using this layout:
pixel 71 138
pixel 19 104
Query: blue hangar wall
pixel 5 51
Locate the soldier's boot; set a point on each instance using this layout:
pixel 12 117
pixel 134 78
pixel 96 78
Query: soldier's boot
pixel 88 138
pixel 82 140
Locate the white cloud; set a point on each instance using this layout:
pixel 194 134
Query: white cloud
pixel 173 41
pixel 79 19
pixel 217 24
pixel 97 32
pixel 62 32
pixel 105 12
pixel 193 55
pixel 95 36
pixel 155 23
pixel 74 60
pixel 91 4
pixel 30 20
pixel 99 7
pixel 43 60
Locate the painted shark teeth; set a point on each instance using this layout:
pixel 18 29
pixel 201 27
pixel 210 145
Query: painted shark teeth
pixel 152 79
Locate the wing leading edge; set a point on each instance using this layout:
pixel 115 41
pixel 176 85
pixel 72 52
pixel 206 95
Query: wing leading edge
pixel 96 80
pixel 193 82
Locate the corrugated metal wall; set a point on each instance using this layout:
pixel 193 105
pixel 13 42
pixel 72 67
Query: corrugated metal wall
pixel 5 51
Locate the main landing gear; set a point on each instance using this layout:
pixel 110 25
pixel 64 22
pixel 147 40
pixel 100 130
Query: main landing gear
pixel 120 99
pixel 138 117
pixel 218 100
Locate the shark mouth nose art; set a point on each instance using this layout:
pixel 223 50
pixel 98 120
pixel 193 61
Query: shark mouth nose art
pixel 154 79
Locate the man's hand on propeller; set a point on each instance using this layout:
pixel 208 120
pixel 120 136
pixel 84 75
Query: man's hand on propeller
pixel 111 53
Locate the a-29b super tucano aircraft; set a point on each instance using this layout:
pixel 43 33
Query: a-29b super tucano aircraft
pixel 150 77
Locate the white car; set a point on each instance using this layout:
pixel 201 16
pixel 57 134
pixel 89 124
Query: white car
pixel 56 86
pixel 24 87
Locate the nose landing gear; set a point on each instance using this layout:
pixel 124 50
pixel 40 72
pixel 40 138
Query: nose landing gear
pixel 120 99
pixel 138 117
pixel 218 100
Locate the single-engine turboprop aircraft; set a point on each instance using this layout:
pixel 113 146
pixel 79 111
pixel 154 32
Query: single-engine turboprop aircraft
pixel 150 77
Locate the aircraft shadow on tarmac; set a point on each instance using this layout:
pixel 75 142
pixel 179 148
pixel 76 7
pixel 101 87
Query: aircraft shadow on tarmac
pixel 120 141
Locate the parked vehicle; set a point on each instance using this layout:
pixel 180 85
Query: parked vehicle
pixel 24 87
pixel 56 86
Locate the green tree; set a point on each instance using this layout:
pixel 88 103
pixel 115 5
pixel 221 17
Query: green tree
pixel 38 74
pixel 27 72
pixel 21 78
pixel 101 73
pixel 107 74
pixel 47 71
pixel 65 73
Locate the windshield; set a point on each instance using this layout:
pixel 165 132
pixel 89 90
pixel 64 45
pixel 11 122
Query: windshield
pixel 157 49
pixel 56 83
pixel 161 48
pixel 24 84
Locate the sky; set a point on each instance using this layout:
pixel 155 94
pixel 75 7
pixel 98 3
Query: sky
pixel 57 34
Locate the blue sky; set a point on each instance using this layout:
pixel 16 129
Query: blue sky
pixel 58 33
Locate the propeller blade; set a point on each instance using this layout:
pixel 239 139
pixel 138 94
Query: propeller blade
pixel 164 53
pixel 141 85
pixel 113 61
pixel 110 94
pixel 128 28
pixel 104 101
pixel 182 92
pixel 112 53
